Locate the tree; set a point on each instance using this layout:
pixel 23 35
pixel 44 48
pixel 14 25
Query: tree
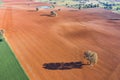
pixel 53 13
pixel 79 7
pixel 92 57
pixel 1 35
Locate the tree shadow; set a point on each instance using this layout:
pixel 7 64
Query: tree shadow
pixel 46 15
pixel 1 40
pixel 31 10
pixel 113 19
pixel 74 10
pixel 64 66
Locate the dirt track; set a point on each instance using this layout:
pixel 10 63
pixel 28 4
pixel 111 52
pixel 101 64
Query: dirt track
pixel 37 39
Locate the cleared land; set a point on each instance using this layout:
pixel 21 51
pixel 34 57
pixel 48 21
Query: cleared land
pixel 38 39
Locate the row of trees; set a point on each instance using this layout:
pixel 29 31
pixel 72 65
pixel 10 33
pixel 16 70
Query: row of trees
pixel 110 6
pixel 118 8
pixel 79 6
pixel 90 5
pixel 107 5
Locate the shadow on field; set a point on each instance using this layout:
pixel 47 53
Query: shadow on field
pixel 46 15
pixel 1 40
pixel 63 66
pixel 113 19
pixel 31 10
pixel 74 10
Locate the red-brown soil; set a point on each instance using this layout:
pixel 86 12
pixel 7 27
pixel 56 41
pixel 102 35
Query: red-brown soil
pixel 37 39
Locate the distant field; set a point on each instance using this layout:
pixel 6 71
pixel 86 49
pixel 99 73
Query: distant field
pixel 0 2
pixel 10 68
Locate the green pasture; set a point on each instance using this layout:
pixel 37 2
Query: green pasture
pixel 10 68
pixel 1 2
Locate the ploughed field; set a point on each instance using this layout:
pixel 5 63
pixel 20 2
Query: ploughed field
pixel 41 42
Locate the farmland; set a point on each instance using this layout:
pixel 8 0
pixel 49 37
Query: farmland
pixel 40 42
pixel 10 69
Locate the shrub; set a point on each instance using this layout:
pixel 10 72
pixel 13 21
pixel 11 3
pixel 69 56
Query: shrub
pixel 1 40
pixel 37 9
pixel 59 9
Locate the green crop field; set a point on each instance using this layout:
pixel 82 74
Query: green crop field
pixel 10 68
pixel 1 2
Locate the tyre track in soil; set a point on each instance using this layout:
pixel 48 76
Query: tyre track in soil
pixel 7 19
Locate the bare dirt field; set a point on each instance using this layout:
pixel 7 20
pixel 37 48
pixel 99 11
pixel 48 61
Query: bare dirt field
pixel 37 38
